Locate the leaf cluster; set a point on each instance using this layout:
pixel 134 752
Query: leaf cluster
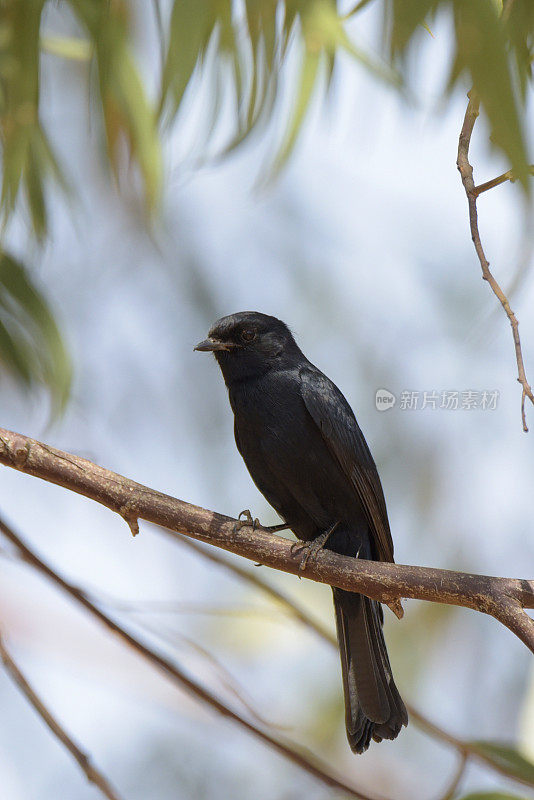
pixel 258 54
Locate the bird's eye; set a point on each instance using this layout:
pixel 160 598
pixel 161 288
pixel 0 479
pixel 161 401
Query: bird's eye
pixel 248 335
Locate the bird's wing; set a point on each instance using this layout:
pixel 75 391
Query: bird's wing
pixel 337 423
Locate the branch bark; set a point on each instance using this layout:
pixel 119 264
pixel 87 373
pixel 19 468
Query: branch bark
pixel 503 598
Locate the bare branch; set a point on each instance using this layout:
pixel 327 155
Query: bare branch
pixel 471 749
pixel 503 598
pixel 466 172
pixel 506 176
pixel 450 791
pixel 298 756
pixel 92 774
pixel 466 749
pixel 255 580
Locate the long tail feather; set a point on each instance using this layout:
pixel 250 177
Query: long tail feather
pixel 373 706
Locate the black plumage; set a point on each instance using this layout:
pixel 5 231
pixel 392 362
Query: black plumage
pixel 307 455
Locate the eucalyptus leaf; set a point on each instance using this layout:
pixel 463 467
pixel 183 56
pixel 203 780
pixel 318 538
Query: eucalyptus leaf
pixel 309 71
pixel 243 51
pixel 191 27
pixel 482 51
pixel 69 47
pixel 492 55
pixel 492 796
pixel 129 116
pixel 508 758
pixel 31 347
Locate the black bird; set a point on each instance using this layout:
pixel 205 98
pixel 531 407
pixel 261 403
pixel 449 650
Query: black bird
pixel 307 455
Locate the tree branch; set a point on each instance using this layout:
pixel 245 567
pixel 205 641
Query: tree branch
pixel 255 580
pixel 459 772
pixel 506 176
pixel 472 192
pixel 296 755
pixel 470 749
pixel 467 750
pixel 92 774
pixel 503 598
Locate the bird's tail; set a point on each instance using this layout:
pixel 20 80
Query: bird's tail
pixel 373 705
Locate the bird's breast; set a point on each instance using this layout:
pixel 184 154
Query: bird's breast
pixel 269 410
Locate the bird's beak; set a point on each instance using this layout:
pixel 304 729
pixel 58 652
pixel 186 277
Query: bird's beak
pixel 210 345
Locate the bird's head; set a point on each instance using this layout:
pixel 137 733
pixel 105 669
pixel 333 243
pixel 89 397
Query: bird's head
pixel 248 344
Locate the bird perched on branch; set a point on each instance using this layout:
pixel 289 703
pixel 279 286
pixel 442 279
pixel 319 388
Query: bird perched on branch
pixel 307 455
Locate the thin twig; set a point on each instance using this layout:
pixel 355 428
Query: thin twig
pixel 506 176
pixel 450 791
pixel 254 580
pixel 91 772
pixel 227 679
pixel 298 756
pixel 466 172
pixel 465 748
pixel 503 598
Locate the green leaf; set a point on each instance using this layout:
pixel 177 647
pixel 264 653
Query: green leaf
pixel 129 116
pixel 324 35
pixel 191 27
pixel 324 28
pixel 506 758
pixel 40 163
pixel 492 796
pixel 406 18
pixel 308 75
pixel 357 8
pixel 70 47
pixel 481 50
pixel 493 53
pixel 15 355
pixel 520 26
pixel 31 347
pixel 138 122
pixel 27 157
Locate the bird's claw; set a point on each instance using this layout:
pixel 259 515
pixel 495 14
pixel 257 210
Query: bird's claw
pixel 247 522
pixel 298 547
pixel 308 549
pixel 312 548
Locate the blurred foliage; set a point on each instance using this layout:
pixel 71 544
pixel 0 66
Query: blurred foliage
pixel 247 46
pixel 507 758
pixel 252 49
pixel 31 348
pixel 492 796
pixel 493 52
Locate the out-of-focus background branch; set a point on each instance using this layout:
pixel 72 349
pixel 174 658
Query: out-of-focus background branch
pixel 55 727
pixel 163 164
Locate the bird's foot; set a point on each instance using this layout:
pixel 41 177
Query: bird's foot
pixel 312 549
pixel 248 522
